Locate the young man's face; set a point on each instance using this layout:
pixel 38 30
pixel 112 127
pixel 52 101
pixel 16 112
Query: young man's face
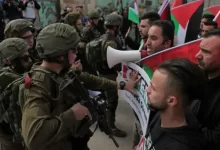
pixel 29 38
pixel 156 41
pixel 144 28
pixel 202 22
pixel 205 29
pixel 79 25
pixel 157 91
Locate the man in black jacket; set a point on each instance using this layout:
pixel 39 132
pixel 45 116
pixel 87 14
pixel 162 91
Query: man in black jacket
pixel 171 91
pixel 209 114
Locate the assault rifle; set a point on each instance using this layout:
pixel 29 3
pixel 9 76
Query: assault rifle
pixel 97 106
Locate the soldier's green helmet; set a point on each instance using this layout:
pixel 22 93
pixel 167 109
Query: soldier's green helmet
pixel 12 48
pixel 71 18
pixel 56 40
pixel 93 14
pixel 16 28
pixel 113 19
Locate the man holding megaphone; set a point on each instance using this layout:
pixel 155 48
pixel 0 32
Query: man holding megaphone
pixel 160 37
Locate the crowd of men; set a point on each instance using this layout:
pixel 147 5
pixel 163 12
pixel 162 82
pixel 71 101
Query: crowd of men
pixel 183 97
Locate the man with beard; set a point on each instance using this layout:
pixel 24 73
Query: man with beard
pixel 160 37
pixel 145 24
pixel 15 61
pixel 24 29
pixel 209 113
pixel 52 111
pixel 174 85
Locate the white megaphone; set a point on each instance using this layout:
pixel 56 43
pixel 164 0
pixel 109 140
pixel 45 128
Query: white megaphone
pixel 115 56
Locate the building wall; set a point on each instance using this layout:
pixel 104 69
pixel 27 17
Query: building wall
pixel 111 5
pixel 50 9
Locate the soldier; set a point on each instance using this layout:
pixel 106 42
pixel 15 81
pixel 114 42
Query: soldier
pixel 112 24
pixel 50 114
pixel 73 19
pixel 15 51
pixel 24 29
pixel 90 32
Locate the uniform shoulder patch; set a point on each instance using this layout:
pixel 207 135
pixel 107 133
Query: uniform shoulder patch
pixel 39 76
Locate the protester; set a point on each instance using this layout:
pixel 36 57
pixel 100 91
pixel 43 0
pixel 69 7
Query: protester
pixel 207 26
pixel 170 92
pixel 209 114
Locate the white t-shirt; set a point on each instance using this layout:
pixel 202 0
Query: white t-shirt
pixel 29 12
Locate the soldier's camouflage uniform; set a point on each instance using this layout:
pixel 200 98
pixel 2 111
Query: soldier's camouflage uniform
pixel 112 94
pixel 11 48
pixel 48 122
pixel 91 32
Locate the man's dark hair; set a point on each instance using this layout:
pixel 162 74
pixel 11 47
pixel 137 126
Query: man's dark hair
pixel 214 32
pixel 209 17
pixel 151 16
pixel 186 78
pixel 167 29
pixel 211 23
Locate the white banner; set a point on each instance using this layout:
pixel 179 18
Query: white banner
pixel 138 103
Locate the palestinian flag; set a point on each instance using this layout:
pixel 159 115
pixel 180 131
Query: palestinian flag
pixel 178 3
pixel 187 23
pixel 212 10
pixel 217 18
pixel 188 50
pixel 164 10
pixel 133 13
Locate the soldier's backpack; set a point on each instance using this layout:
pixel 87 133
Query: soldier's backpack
pixel 10 111
pixel 6 77
pixel 11 103
pixel 94 53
